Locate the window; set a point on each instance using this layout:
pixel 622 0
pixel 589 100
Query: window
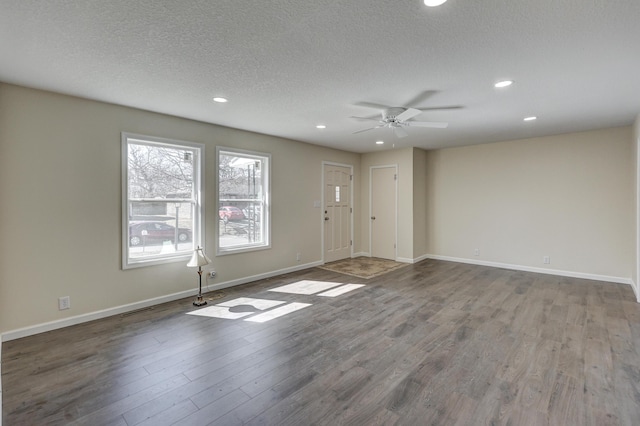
pixel 243 200
pixel 161 207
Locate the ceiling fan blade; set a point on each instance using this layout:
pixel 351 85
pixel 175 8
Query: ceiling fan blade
pixel 400 132
pixel 438 108
pixel 373 117
pixel 420 98
pixel 409 113
pixel 365 130
pixel 433 124
pixel 371 105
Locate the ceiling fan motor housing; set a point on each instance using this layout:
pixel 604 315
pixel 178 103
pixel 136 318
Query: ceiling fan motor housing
pixel 398 118
pixel 390 114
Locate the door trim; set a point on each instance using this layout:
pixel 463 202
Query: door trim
pixel 395 207
pixel 322 200
pixel 636 285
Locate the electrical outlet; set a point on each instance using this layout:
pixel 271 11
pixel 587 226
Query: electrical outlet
pixel 212 274
pixel 298 257
pixel 546 260
pixel 64 303
pixel 476 252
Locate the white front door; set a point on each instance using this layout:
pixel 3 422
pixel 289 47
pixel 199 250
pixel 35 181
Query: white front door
pixel 337 212
pixel 383 212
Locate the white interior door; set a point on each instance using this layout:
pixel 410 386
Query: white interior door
pixel 337 212
pixel 383 212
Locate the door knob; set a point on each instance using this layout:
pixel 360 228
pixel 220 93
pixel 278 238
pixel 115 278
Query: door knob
pixel 326 218
pixel 373 218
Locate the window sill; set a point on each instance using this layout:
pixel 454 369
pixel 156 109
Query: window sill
pixel 244 249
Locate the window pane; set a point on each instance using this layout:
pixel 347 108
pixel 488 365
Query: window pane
pixel 165 228
pixel 162 211
pixel 242 191
pixel 158 171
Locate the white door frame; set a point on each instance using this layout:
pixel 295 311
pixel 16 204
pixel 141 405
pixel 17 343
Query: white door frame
pixel 322 183
pixel 636 285
pixel 395 207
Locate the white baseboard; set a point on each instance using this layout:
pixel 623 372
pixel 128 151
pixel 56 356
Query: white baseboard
pixel 636 291
pixel 361 254
pixel 79 319
pixel 572 274
pixel 415 260
pixel 421 258
pixel 53 325
pixel 270 274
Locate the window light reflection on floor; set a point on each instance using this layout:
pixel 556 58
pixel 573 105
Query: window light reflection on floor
pixel 264 310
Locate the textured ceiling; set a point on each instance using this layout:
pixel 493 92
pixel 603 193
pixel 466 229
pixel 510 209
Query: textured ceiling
pixel 287 65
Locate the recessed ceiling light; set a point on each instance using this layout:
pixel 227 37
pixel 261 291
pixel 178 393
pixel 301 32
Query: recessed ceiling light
pixel 379 142
pixel 433 3
pixel 504 83
pixel 321 126
pixel 530 118
pixel 221 100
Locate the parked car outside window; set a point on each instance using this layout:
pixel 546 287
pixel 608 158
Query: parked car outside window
pixel 147 232
pixel 228 213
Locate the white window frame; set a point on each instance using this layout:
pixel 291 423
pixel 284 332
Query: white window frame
pixel 198 202
pixel 266 201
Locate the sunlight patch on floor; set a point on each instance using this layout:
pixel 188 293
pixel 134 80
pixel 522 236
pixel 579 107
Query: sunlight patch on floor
pixel 305 287
pixel 341 290
pixel 278 312
pixel 219 312
pixel 263 310
pixel 260 304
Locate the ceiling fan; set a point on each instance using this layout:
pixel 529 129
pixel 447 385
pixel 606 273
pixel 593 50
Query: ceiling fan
pixel 399 118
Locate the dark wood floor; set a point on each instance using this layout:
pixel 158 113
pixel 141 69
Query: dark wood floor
pixel 432 343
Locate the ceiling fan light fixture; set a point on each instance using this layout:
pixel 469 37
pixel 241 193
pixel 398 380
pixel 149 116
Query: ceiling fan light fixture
pixel 321 126
pixel 532 118
pixel 503 83
pixel 434 3
pixel 220 100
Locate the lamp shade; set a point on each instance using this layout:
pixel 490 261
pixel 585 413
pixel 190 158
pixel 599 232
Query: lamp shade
pixel 198 258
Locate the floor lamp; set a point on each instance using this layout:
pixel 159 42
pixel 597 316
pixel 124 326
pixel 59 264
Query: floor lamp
pixel 199 259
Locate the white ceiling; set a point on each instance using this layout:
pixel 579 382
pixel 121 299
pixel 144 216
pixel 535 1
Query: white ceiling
pixel 287 65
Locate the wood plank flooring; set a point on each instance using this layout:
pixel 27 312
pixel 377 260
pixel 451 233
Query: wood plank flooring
pixel 435 343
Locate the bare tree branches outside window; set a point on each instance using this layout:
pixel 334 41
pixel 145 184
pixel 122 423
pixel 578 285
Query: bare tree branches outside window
pixel 155 172
pixel 161 204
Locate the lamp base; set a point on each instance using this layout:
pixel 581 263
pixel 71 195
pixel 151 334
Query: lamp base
pixel 199 301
